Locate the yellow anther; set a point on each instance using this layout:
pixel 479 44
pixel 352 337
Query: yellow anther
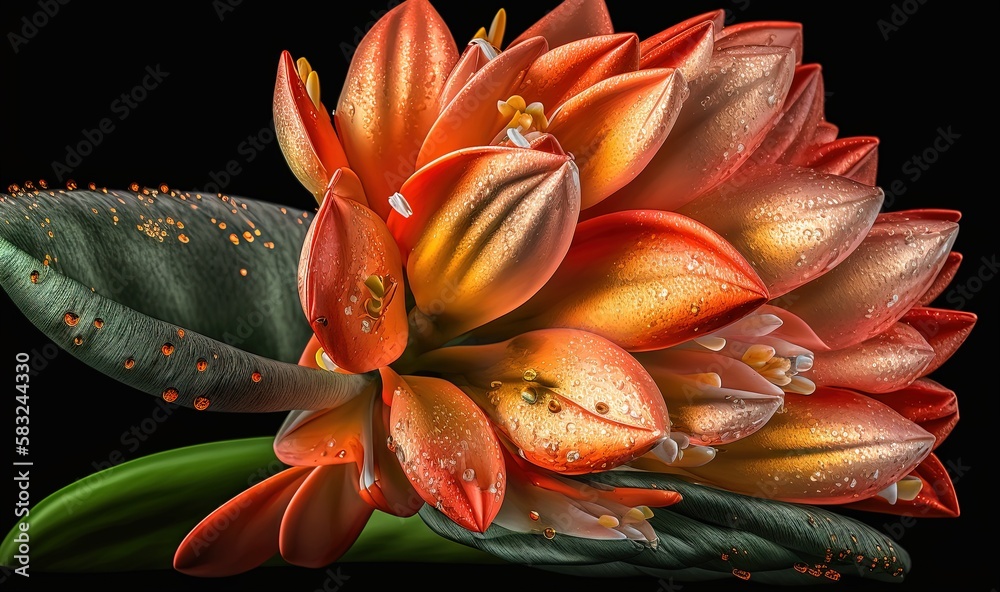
pixel 304 68
pixel 373 306
pixel 319 359
pixel 757 355
pixel 537 112
pixel 521 120
pixel 646 512
pixel 709 378
pixel 375 286
pixel 497 28
pixel 312 87
pixel 522 115
pixel 633 515
pixel 481 34
pixel 517 103
pixel 608 521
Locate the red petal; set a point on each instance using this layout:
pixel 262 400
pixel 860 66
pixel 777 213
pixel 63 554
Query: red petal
pixel 243 532
pixel 689 51
pixel 944 329
pixel 943 279
pixel 854 158
pixel 716 17
pixel 927 404
pixel 324 518
pixel 937 214
pixel 768 33
pixel 570 21
pixel 936 499
pixel 792 134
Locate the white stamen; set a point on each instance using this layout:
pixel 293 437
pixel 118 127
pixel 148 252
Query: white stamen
pixel 889 494
pixel 399 203
pixel 802 363
pixel 695 456
pixel 485 47
pixel 711 343
pixel 800 385
pixel 666 451
pixel 515 136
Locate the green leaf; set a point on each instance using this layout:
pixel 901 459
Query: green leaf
pixel 160 358
pixel 175 256
pixel 133 516
pixel 710 534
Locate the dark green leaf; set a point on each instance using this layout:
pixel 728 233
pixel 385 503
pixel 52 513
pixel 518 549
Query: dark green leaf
pixel 176 257
pixel 158 357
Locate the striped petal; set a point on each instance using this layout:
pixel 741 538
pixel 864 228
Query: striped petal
pixel 875 286
pixel 644 280
pixel 832 447
pixel 615 127
pixel 791 224
pixel 390 96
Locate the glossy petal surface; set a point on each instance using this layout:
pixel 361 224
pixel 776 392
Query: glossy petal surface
pixel 570 21
pixel 886 362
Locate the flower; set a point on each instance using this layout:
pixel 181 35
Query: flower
pixel 557 315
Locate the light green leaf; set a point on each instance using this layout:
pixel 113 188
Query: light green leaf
pixel 177 257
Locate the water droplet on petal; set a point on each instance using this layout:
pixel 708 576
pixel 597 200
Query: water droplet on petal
pixel 533 515
pixel 555 406
pixel 529 395
pixel 34 277
pixel 469 474
pixel 550 533
pixel 530 374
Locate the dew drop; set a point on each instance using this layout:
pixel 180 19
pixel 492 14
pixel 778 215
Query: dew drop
pixel 234 239
pixel 167 349
pixel 321 321
pixel 71 319
pixel 201 403
pixel 555 406
pixel 469 474
pixel 496 384
pixel 78 340
pixel 529 395
pixel 529 374
pixel 533 515
pixel 256 377
pixel 550 533
pixel 34 277
pixel 183 238
pixel 129 363
pixel 98 323
pixel 572 456
pixel 201 364
pixel 602 407
pixel 170 395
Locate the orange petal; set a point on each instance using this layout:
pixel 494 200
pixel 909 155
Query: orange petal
pixel 327 436
pixel 308 357
pixel 875 286
pixel 305 132
pixel 886 362
pixel 489 227
pixel 832 447
pixel 615 127
pixel 927 404
pixel 644 280
pixel 447 448
pixel 390 96
pixel 566 71
pixel 945 330
pixel 324 518
pixel 570 401
pixel 570 21
pixel 716 17
pixel 792 134
pixel 943 279
pixel 690 51
pixel 360 328
pixel 384 485
pixel 733 105
pixel 791 224
pixel 940 215
pixel 708 413
pixel 243 532
pixel 854 158
pixel 936 499
pixel 768 33
pixel 824 133
pixel 471 61
pixel 472 118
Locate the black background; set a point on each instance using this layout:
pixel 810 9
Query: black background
pixel 900 84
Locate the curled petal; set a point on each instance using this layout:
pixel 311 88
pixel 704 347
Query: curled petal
pixel 615 127
pixel 875 286
pixel 945 330
pixel 717 18
pixel 690 51
pixel 854 158
pixel 390 96
pixel 832 447
pixel 793 329
pixel 324 517
pixel 348 274
pixel 943 279
pixel 448 450
pixel 325 437
pixel 767 33
pixel 792 134
pixel 791 224
pixel 927 404
pixel 712 398
pixel 490 226
pixel 825 133
pixel 570 401
pixel 570 21
pixel 243 532
pixel 936 499
pixel 937 214
pixel 644 280
pixel 732 106
pixel 565 71
pixel 472 118
pixel 305 131
pixel 889 361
